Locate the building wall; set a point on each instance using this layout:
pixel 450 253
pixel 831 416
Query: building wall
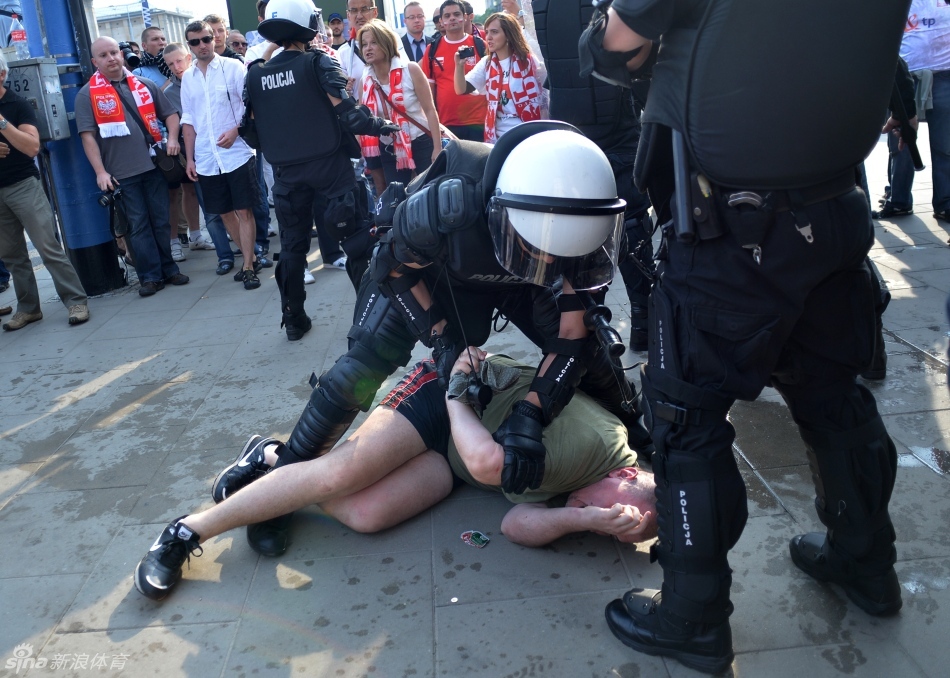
pixel 129 26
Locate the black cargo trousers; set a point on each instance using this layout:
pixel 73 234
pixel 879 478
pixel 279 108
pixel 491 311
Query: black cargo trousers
pixel 723 327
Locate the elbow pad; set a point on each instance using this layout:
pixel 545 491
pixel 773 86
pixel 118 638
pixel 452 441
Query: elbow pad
pixel 331 76
pixel 358 119
pixel 556 386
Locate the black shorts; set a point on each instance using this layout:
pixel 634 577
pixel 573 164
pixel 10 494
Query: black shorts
pixel 237 190
pixel 419 398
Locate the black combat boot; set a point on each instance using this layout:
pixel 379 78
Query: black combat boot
pixel 639 621
pixel 872 585
pixel 297 324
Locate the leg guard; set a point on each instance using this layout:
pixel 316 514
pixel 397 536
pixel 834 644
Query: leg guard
pixel 379 344
pixel 701 499
pixel 878 367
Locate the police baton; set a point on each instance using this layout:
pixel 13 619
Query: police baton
pixel 907 132
pixel 682 212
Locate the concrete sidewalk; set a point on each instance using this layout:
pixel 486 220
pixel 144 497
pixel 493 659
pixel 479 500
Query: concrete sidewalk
pixel 113 428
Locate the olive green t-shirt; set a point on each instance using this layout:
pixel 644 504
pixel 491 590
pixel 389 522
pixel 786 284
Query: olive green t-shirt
pixel 584 443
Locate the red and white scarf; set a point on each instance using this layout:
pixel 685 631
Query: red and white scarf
pixel 376 102
pixel 524 88
pixel 107 109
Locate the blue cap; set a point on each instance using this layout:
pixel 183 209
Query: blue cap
pixel 335 15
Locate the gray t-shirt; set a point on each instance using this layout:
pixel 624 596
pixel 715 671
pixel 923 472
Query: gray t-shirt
pixel 126 156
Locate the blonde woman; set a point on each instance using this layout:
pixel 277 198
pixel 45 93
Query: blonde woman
pixel 397 89
pixel 508 76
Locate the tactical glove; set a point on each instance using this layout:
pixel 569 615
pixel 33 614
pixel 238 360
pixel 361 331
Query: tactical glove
pixel 520 436
pixel 444 353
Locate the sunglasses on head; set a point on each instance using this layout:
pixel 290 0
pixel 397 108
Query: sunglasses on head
pixel 194 42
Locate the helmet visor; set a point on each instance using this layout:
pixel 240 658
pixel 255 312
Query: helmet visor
pixel 533 265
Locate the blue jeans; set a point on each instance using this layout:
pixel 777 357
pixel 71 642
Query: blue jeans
pixel 4 274
pixel 902 167
pixel 261 210
pixel 219 235
pixel 938 119
pixel 145 204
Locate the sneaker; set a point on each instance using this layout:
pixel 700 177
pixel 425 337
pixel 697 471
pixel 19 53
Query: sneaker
pixel 339 264
pixel 248 467
pixel 200 243
pixel 308 278
pixel 183 238
pixel 178 279
pixel 889 211
pixel 78 314
pixel 943 216
pixel 251 281
pixel 875 590
pixel 272 537
pixel 271 231
pixel 21 320
pixel 177 253
pixel 149 288
pixel 160 569
pixel 639 621
pixel 263 261
pixel 224 267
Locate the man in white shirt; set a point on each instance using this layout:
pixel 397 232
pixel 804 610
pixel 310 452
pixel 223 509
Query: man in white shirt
pixel 224 166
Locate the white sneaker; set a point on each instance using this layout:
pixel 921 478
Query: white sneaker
pixel 200 242
pixel 339 264
pixel 308 277
pixel 271 231
pixel 177 254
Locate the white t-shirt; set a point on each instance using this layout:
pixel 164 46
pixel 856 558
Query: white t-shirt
pixel 926 42
pixel 507 116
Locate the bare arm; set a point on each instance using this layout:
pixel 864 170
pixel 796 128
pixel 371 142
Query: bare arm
pixel 421 86
pixel 537 524
pixel 172 124
pixel 461 86
pixel 619 37
pixel 103 179
pixel 482 456
pixel 25 139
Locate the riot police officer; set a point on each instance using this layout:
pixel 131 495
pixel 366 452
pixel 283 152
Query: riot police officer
pixel 608 115
pixel 305 121
pixel 521 230
pixel 763 281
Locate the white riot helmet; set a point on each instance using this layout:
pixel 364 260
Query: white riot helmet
pixel 555 211
pixel 298 20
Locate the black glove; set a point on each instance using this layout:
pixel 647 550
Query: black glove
pixel 444 353
pixel 386 127
pixel 520 435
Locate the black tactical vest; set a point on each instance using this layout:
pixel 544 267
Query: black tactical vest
pixel 776 94
pixel 295 119
pixel 603 112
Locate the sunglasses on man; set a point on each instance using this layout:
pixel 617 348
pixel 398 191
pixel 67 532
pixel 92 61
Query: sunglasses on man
pixel 238 43
pixel 194 42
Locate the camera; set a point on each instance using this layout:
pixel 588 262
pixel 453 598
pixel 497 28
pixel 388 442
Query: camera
pixel 109 198
pixel 466 52
pixel 131 59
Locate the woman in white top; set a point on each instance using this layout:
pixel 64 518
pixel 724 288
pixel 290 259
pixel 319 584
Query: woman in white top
pixel 508 76
pixel 396 89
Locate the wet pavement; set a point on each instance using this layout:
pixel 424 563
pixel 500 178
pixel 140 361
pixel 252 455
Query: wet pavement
pixel 110 429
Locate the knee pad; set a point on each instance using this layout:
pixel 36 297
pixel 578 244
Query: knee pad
pixel 378 328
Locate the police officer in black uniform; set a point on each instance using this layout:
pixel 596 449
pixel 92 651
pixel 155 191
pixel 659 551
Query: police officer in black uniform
pixel 750 137
pixel 305 121
pixel 608 115
pixel 519 230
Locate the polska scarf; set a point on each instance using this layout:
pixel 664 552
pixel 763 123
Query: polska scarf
pixel 107 109
pixel 374 99
pixel 149 60
pixel 523 85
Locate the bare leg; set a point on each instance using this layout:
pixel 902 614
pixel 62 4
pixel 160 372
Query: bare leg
pixel 382 444
pixel 241 231
pixel 420 483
